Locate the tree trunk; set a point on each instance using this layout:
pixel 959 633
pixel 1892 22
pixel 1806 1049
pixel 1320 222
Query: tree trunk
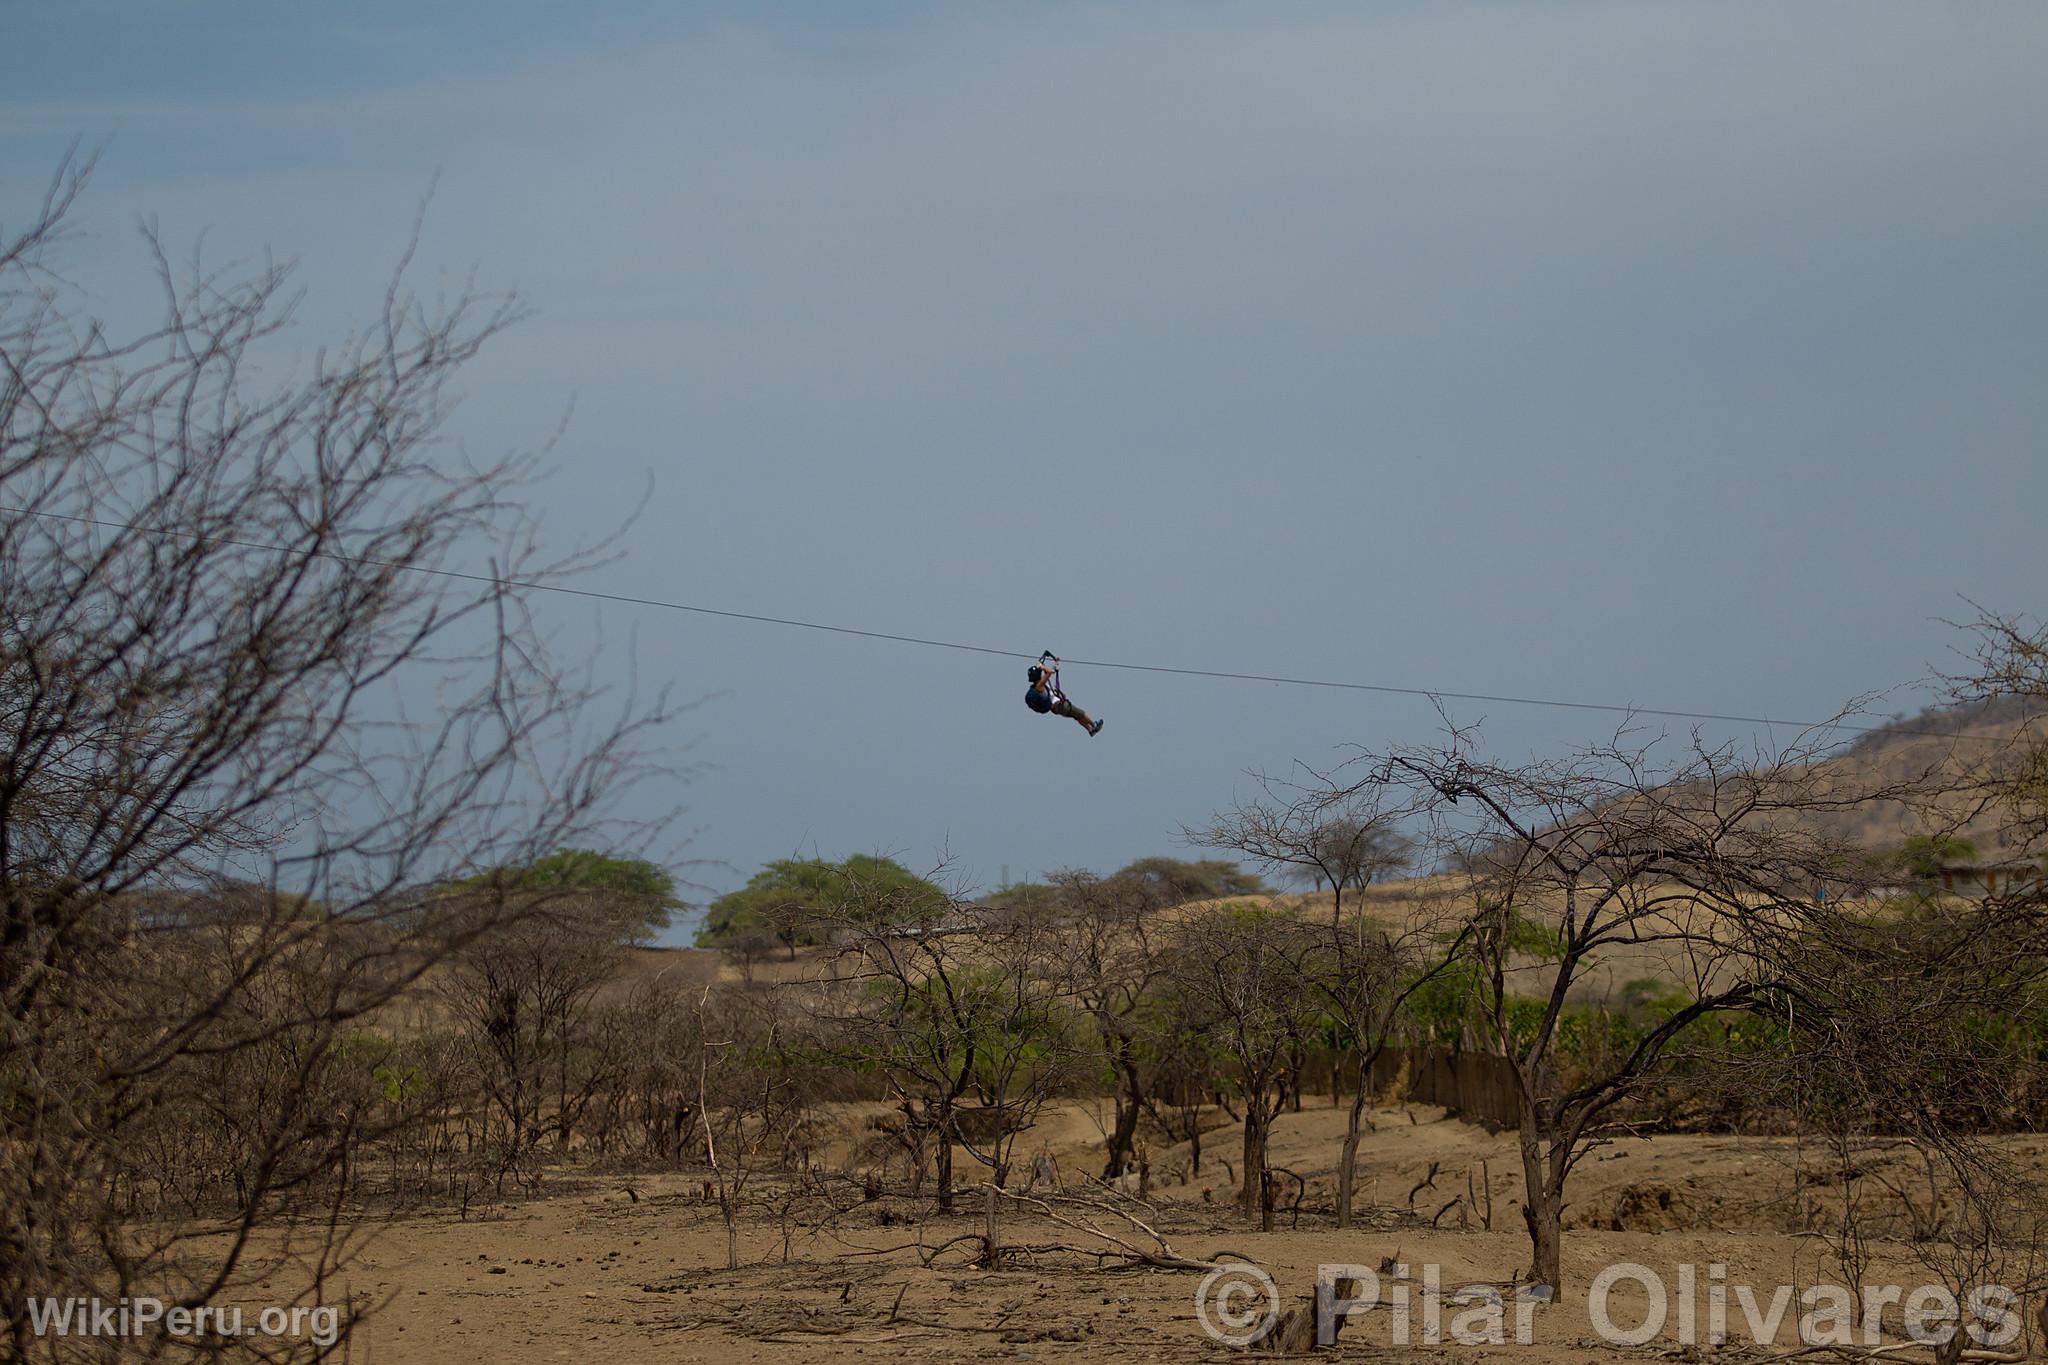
pixel 1256 1123
pixel 1542 1210
pixel 1347 1164
pixel 945 1154
pixel 1122 1137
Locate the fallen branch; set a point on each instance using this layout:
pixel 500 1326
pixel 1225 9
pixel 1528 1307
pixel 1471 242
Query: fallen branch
pixel 1975 1355
pixel 925 1254
pixel 866 1340
pixel 1162 1256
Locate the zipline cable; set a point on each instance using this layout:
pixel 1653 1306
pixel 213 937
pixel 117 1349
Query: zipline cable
pixel 528 585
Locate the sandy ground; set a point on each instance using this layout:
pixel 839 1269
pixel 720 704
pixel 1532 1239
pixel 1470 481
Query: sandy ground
pixel 593 1272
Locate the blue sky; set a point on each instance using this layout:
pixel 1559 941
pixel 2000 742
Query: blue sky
pixel 1688 356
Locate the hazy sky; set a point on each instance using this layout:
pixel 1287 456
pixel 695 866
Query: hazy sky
pixel 1690 356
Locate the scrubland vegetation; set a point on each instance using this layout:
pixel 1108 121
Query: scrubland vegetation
pixel 295 946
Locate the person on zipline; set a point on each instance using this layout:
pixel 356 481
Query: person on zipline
pixel 1044 695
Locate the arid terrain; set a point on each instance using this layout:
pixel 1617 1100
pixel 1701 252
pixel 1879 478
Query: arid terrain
pixel 524 532
pixel 1108 1118
pixel 632 1269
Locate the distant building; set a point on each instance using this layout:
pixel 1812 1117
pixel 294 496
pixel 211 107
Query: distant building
pixel 1976 880
pixel 1981 881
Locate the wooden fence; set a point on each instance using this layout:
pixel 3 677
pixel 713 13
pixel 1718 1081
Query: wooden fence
pixel 1474 1085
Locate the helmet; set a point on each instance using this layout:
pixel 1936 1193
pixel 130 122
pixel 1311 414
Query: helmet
pixel 1034 672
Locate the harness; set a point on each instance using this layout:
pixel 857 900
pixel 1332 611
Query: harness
pixel 1051 676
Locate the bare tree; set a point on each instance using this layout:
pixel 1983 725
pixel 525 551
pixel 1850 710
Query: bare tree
pixel 751 1106
pixel 1908 1044
pixel 968 1022
pixel 210 619
pixel 1112 963
pixel 522 994
pixel 1021 1008
pixel 1241 972
pixel 1906 1049
pixel 1712 859
pixel 2009 662
pixel 1309 834
pixel 1376 966
pixel 645 1106
pixel 1343 839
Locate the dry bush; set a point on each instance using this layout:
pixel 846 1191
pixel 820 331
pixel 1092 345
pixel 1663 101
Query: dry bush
pixel 1907 1055
pixel 521 996
pixel 752 1115
pixel 216 814
pixel 642 1108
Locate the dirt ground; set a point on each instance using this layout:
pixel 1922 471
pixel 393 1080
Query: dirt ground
pixel 632 1269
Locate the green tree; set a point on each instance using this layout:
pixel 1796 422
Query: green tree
pixel 789 898
pixel 1175 881
pixel 972 1029
pixel 1026 898
pixel 642 895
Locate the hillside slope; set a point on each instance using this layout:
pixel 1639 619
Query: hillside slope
pixel 1953 754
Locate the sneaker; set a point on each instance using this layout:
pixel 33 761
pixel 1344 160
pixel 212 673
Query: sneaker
pixel 1095 729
